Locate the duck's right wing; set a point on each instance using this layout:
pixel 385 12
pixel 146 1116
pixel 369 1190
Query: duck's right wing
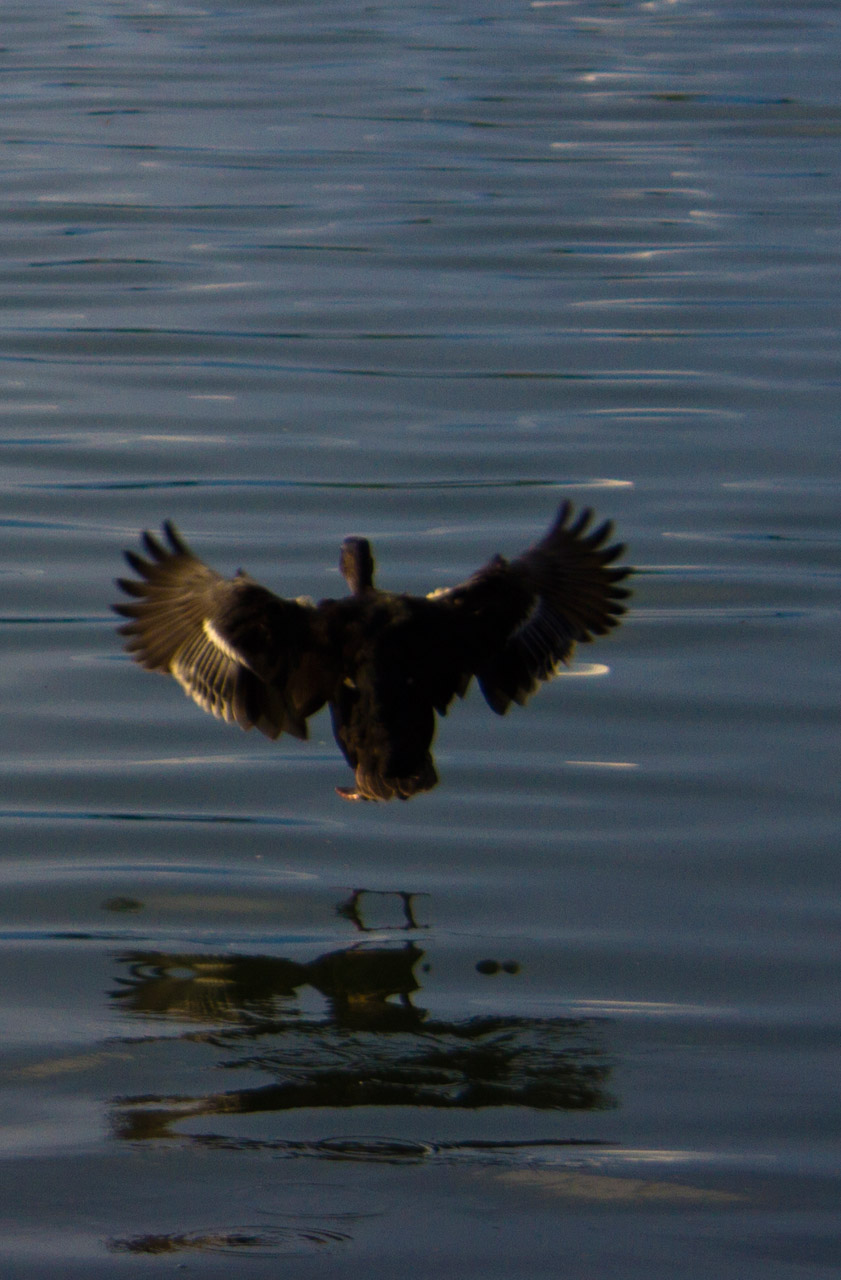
pixel 239 651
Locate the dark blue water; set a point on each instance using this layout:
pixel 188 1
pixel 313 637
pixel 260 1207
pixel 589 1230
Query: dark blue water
pixel 285 273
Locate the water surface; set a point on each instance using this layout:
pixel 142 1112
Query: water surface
pixel 283 274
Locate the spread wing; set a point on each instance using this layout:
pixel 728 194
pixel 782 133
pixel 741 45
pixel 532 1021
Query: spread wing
pixel 242 653
pixel 521 619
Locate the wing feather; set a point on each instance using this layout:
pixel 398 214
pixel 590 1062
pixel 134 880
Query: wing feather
pixel 522 619
pixel 242 653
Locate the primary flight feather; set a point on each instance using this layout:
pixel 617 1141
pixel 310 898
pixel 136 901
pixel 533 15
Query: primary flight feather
pixel 384 662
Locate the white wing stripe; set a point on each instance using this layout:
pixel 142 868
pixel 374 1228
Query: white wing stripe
pixel 219 642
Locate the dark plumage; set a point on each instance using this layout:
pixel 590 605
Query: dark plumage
pixel 384 662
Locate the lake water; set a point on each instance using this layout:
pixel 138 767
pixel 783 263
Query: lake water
pixel 284 273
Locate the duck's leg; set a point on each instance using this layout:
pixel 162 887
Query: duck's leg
pixel 351 793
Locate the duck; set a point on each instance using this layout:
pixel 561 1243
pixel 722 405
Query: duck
pixel 386 663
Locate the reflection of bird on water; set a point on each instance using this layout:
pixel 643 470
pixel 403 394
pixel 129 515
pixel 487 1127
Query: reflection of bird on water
pixel 369 1046
pixel 364 987
pixel 384 662
pixel 352 909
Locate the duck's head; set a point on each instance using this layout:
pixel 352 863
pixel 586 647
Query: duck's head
pixel 357 565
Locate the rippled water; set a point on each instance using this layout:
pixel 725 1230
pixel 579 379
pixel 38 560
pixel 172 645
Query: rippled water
pixel 283 273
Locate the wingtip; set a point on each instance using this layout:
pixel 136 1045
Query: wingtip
pixel 152 546
pixel 131 587
pixel 174 538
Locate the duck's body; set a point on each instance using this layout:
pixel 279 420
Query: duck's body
pixel 385 663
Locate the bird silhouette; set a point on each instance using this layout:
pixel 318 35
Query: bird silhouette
pixel 385 662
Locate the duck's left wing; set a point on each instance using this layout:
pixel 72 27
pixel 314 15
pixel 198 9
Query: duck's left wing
pixel 241 652
pixel 520 620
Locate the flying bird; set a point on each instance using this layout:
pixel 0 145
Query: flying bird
pixel 385 662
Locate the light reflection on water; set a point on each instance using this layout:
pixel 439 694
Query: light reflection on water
pixel 281 275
